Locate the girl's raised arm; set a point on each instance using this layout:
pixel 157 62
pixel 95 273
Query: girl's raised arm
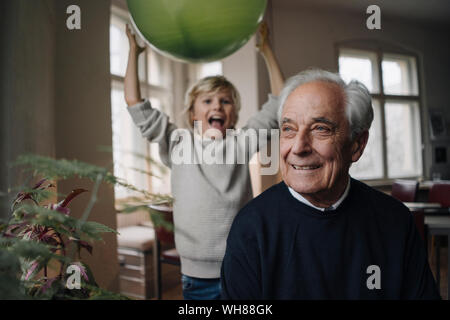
pixel 275 75
pixel 132 88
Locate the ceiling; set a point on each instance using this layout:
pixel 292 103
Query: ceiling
pixel 435 12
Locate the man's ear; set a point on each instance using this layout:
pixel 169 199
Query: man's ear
pixel 359 144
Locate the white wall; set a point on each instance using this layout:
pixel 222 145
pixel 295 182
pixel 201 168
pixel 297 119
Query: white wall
pixel 55 99
pixel 26 97
pixel 27 86
pixel 241 69
pixel 83 119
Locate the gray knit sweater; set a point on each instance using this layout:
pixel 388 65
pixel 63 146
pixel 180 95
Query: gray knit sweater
pixel 206 196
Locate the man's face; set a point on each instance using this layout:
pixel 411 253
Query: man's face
pixel 315 147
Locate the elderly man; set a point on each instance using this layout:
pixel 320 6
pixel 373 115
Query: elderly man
pixel 320 234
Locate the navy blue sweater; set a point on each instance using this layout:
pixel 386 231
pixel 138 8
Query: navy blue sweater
pixel 369 248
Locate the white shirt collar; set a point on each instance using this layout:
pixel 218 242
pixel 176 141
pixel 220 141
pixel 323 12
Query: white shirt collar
pixel 334 206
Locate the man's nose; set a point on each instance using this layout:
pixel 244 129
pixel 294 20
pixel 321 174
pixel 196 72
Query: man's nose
pixel 302 143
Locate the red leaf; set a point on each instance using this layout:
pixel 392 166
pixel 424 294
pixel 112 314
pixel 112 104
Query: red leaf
pixel 71 195
pixel 50 185
pixel 24 196
pixel 64 210
pixel 82 244
pixel 85 245
pixel 32 268
pixel 39 183
pixel 82 270
pixel 46 235
pixel 14 227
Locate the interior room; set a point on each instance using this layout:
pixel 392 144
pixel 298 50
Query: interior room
pixel 62 97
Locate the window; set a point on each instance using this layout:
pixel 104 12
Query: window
pixel 394 146
pixel 131 152
pixel 208 69
pixel 200 70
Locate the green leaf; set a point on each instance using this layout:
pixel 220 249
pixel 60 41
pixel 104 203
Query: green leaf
pixel 11 288
pixel 97 293
pixel 94 229
pixel 63 169
pixel 32 250
pixel 9 262
pixel 59 169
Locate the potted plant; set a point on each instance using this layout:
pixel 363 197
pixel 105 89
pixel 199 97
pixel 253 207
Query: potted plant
pixel 41 243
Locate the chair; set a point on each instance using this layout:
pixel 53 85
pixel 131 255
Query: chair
pixel 440 193
pixel 165 251
pixel 136 268
pixel 405 190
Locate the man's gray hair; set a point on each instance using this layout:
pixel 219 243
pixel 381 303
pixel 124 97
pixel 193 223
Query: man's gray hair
pixel 358 103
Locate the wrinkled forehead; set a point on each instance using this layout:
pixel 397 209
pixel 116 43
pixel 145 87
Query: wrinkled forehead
pixel 316 99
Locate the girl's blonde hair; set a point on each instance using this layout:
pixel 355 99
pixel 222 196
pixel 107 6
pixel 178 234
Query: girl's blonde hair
pixel 212 84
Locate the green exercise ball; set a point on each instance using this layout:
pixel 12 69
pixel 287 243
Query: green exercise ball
pixel 196 30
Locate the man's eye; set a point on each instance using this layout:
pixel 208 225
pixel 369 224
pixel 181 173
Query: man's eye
pixel 286 129
pixel 322 129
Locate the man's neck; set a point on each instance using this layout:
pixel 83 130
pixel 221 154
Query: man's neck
pixel 324 200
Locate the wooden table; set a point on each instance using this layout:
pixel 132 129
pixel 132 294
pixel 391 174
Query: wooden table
pixel 428 208
pixel 440 226
pixel 422 205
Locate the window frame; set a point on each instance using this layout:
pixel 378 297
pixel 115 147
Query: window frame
pixel 379 49
pixel 148 90
pixel 181 76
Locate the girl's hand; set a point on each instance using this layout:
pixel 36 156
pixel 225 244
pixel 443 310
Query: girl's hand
pixel 134 46
pixel 273 67
pixel 263 37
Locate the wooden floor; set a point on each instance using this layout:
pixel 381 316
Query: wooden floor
pixel 172 289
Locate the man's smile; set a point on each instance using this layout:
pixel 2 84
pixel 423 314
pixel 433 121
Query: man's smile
pixel 306 167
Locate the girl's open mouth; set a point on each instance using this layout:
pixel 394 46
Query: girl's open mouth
pixel 216 122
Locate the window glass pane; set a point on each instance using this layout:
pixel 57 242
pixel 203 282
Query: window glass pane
pixel 141 67
pixel 159 69
pixel 154 70
pixel 127 140
pixel 156 103
pixel 118 47
pixel 370 165
pixel 403 139
pixel 359 65
pixel 399 75
pixel 210 69
pixel 130 149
